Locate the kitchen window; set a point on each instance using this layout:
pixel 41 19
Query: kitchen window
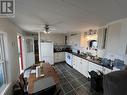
pixel 2 63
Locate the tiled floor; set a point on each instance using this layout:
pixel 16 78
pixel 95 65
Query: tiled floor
pixel 71 81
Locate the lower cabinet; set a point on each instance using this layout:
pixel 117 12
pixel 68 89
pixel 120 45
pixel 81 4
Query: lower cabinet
pixel 106 70
pixel 59 57
pixel 80 65
pixel 74 62
pixel 94 67
pixel 85 66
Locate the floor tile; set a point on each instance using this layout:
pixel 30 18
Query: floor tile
pixel 87 86
pixel 82 80
pixel 66 87
pixel 72 93
pixel 72 82
pixel 75 84
pixel 70 78
pixel 67 74
pixel 82 91
pixel 63 81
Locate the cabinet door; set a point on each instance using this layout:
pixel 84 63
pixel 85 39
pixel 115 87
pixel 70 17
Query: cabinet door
pixel 61 56
pixel 102 38
pixel 113 39
pixel 78 65
pixel 74 40
pixel 55 57
pixel 94 67
pixel 80 68
pixel 124 38
pixel 85 67
pixel 106 70
pixel 74 62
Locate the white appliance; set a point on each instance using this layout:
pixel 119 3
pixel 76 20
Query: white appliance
pixel 69 58
pixel 46 52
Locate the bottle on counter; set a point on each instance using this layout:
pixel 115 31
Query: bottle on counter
pixel 38 71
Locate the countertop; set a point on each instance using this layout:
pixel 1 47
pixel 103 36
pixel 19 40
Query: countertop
pixel 91 60
pixel 59 51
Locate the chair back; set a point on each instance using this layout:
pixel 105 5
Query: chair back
pixel 22 83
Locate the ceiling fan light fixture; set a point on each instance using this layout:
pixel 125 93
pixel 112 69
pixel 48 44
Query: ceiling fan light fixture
pixel 46 32
pixel 46 29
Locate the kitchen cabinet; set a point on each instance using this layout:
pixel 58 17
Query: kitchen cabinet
pixel 80 65
pixel 124 37
pixel 106 70
pixel 59 57
pixel 57 39
pixel 74 62
pixel 102 34
pixel 94 67
pixel 85 65
pixel 114 38
pixel 75 40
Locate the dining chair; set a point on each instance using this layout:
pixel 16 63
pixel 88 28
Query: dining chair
pixel 23 84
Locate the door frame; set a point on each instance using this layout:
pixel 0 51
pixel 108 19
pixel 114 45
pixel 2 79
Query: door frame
pixel 5 58
pixel 20 50
pixel 25 53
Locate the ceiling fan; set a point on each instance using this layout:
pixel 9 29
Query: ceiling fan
pixel 46 28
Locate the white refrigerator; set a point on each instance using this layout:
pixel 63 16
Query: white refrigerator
pixel 46 52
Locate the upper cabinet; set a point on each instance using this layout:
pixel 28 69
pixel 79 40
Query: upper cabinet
pixel 116 37
pixel 115 42
pixel 112 37
pixel 74 39
pixel 102 34
pixel 57 39
pixel 124 36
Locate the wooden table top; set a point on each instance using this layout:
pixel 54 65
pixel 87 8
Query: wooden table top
pixel 48 70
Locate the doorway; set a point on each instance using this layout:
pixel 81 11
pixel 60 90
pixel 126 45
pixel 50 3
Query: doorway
pixel 36 51
pixel 20 52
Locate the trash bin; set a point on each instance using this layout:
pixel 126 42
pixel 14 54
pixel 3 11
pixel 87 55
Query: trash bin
pixel 96 81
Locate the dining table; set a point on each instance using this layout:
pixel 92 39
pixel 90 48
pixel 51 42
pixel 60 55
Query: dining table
pixel 48 76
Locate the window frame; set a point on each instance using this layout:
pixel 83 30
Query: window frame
pixel 3 60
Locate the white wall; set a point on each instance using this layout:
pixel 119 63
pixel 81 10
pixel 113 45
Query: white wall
pixel 58 39
pixel 116 41
pixel 116 44
pixel 11 49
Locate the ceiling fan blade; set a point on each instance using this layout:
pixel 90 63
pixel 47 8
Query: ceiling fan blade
pixel 56 23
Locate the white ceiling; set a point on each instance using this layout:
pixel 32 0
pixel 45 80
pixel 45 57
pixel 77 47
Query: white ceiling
pixel 67 15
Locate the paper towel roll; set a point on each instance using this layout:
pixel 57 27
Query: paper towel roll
pixel 38 71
